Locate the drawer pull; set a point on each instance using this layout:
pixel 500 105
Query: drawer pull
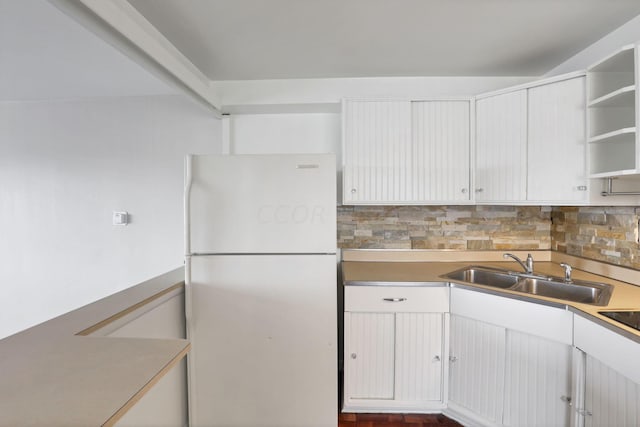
pixel 394 299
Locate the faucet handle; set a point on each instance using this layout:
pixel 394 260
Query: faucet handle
pixel 567 271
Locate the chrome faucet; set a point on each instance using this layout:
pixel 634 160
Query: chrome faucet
pixel 567 272
pixel 528 267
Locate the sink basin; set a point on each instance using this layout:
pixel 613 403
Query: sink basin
pixel 485 276
pixel 552 287
pixel 577 291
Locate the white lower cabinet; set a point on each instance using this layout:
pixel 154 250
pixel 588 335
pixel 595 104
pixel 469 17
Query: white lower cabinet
pixel 510 361
pixel 394 356
pixel 611 399
pixel 485 360
pixel 538 381
pixel 477 365
pixel 611 378
pixel 371 354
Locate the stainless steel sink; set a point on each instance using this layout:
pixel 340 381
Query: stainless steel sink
pixel 552 287
pixel 577 291
pixel 485 276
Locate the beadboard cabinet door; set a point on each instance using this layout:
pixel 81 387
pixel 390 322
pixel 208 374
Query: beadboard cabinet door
pixel 537 381
pixel 501 148
pixel 419 357
pixel 371 353
pixel 440 151
pixel 393 361
pixel 611 399
pixel 556 152
pixel 406 152
pixel 476 371
pixel 376 151
pixel 394 348
pixel 505 369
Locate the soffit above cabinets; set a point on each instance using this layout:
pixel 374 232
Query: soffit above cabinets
pixel 282 39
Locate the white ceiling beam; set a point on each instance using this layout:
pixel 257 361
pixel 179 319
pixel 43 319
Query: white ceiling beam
pixel 121 25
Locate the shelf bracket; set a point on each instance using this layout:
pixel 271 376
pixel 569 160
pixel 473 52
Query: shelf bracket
pixel 609 191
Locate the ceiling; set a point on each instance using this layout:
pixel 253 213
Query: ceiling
pixel 277 39
pixel 46 55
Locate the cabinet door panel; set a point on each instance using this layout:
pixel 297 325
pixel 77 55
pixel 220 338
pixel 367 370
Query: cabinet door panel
pixel 538 374
pixel 477 367
pixel 501 147
pixel 611 399
pixel 419 354
pixel 557 142
pixel 440 151
pixel 370 355
pixel 377 149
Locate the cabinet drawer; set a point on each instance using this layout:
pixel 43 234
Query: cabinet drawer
pixel 396 299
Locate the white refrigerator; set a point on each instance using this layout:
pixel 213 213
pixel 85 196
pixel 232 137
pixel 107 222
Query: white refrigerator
pixel 261 290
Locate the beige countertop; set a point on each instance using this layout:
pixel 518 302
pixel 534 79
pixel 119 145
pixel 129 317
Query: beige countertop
pixel 56 374
pixel 430 266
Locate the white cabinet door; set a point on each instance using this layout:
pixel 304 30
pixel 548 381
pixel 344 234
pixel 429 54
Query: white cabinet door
pixel 501 147
pixel 538 381
pixel 377 150
pixel 419 356
pixel 477 366
pixel 394 361
pixel 409 152
pixel 440 152
pixel 611 399
pixel 370 350
pixel 556 169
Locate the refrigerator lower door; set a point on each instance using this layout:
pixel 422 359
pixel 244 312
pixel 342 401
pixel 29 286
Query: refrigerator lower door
pixel 263 334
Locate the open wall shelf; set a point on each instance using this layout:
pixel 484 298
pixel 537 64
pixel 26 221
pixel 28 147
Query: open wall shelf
pixel 612 114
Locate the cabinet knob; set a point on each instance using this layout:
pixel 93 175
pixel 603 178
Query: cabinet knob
pixel 452 359
pixel 582 188
pixel 479 190
pixel 566 399
pixel 464 191
pixel 354 356
pixel 436 358
pixel 353 191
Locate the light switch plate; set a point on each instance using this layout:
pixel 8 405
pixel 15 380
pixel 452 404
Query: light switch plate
pixel 120 218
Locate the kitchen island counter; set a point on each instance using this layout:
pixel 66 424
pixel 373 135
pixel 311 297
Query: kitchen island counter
pixel 63 373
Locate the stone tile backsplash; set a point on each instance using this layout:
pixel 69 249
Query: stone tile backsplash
pixel 608 234
pixel 444 227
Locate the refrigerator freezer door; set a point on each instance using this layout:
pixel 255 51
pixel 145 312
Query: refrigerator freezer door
pixel 262 204
pixel 263 333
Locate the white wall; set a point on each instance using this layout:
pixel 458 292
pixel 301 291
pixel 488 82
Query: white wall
pixel 65 166
pixel 626 34
pixel 287 133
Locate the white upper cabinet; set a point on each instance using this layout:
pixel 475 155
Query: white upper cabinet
pixel 501 147
pixel 531 145
pixel 440 136
pixel 377 151
pixel 406 152
pixel 556 149
pixel 530 148
pixel 612 104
